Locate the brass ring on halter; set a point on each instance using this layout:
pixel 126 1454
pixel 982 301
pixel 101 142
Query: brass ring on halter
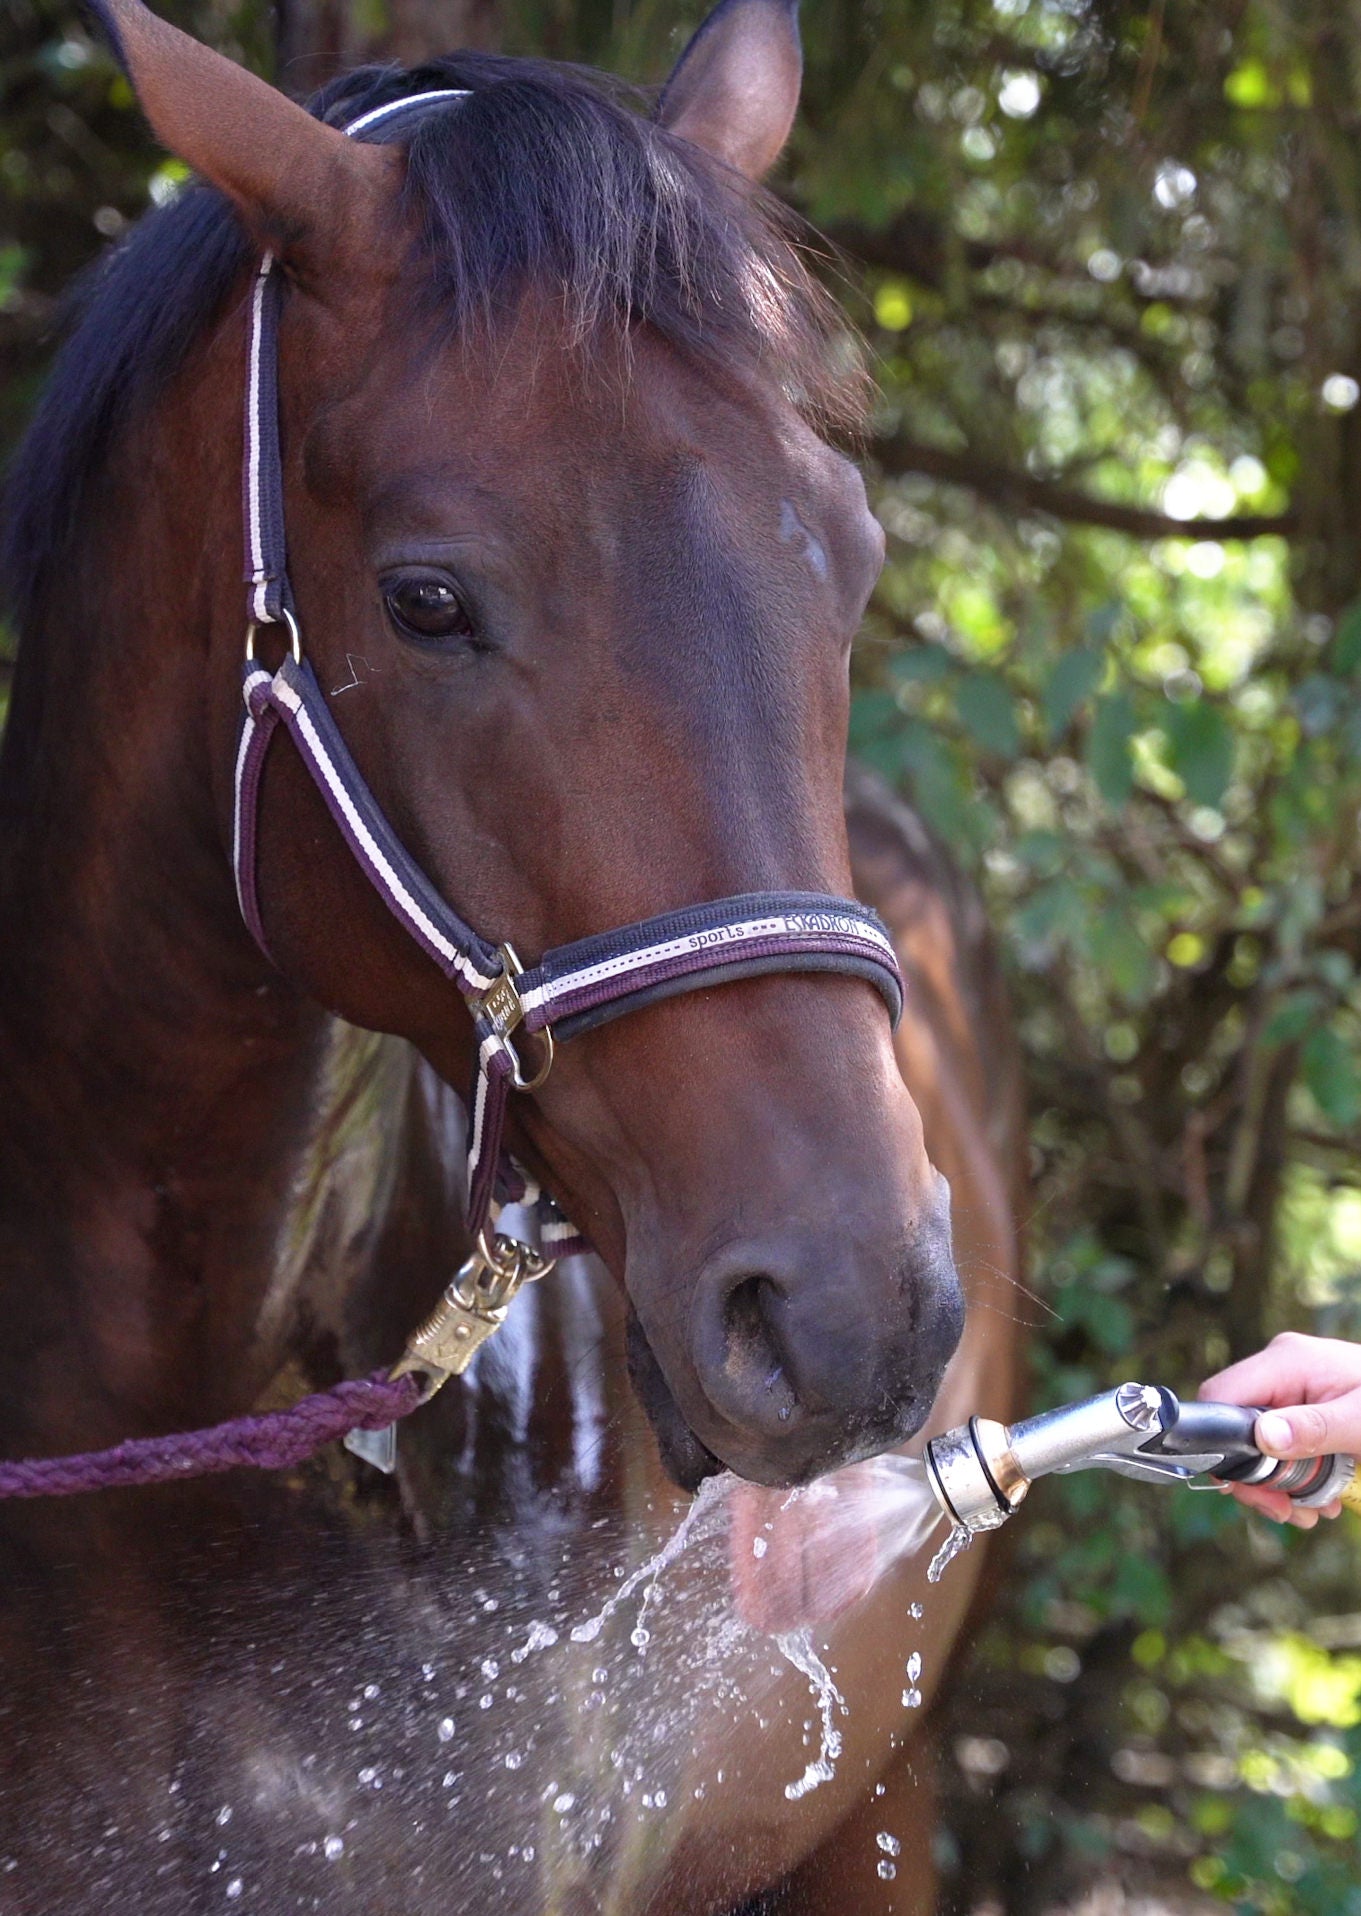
pixel 510 959
pixel 295 638
pixel 510 1262
pixel 518 1078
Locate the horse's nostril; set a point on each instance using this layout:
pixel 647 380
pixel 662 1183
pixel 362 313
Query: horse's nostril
pixel 755 1361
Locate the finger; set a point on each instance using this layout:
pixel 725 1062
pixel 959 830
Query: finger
pixel 1266 1503
pixel 1278 1507
pixel 1311 1430
pixel 1293 1369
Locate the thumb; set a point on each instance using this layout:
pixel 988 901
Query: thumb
pixel 1312 1430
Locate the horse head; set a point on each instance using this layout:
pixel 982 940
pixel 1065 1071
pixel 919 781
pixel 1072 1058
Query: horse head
pixel 579 575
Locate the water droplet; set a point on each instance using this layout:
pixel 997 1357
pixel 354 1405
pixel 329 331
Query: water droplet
pixel 370 1691
pixel 563 1803
pixel 224 1816
pixel 428 1672
pixel 491 1669
pixel 332 1847
pixel 914 1666
pixel 888 1870
pixel 914 1610
pixel 959 1539
pixel 513 1759
pixel 912 1699
pixel 889 1844
pixel 759 1546
pixel 640 1638
pixel 485 1702
pixel 600 1674
pixel 234 1889
pixel 542 1636
pixel 879 1789
pixel 445 1730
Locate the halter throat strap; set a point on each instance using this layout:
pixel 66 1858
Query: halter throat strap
pixel 574 987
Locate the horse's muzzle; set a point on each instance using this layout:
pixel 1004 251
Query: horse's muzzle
pixel 802 1360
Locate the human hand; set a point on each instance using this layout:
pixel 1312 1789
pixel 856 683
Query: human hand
pixel 1310 1392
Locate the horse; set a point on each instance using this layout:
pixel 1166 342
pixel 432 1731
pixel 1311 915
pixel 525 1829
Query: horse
pixel 577 569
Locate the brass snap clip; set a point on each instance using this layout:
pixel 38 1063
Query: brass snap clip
pixel 471 1309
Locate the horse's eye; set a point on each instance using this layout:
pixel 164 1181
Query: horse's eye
pixel 427 608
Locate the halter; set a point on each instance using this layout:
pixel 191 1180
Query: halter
pixel 572 988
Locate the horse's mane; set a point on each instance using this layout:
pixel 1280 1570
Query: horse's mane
pixel 545 176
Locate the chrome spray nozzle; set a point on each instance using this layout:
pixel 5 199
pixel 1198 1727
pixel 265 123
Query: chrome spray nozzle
pixel 981 1471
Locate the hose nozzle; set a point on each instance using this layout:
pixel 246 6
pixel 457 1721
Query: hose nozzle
pixel 980 1471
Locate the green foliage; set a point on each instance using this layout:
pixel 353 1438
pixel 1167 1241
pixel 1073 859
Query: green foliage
pixel 1111 280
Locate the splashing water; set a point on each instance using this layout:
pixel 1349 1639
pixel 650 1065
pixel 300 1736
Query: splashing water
pixel 796 1646
pixel 711 1492
pixel 580 1733
pixel 903 1505
pixel 959 1539
pixel 886 1500
pixel 954 1546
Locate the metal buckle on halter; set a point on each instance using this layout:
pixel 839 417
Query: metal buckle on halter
pixel 471 1309
pixel 501 1005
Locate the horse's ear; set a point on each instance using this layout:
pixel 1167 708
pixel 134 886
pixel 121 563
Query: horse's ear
pixel 735 89
pixel 296 181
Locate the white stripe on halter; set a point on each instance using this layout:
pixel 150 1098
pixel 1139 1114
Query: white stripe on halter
pixel 407 101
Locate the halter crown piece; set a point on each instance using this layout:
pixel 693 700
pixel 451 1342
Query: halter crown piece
pixel 573 987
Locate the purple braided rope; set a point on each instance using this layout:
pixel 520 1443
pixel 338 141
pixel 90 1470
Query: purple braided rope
pixel 272 1441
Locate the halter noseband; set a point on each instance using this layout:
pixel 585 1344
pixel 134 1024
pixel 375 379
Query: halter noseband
pixel 573 987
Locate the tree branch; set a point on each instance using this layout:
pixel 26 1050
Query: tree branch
pixel 1007 486
pixel 919 247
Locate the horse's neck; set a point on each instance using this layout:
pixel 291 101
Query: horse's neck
pixel 168 1125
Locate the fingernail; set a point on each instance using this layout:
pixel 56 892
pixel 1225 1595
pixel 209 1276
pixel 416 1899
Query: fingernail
pixel 1274 1432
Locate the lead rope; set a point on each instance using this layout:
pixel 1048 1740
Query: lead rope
pixel 363 1412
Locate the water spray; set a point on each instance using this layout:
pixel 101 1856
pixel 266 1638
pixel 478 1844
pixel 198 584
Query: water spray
pixel 980 1471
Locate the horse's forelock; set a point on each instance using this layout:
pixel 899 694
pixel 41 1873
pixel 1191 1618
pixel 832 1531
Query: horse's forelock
pixel 548 175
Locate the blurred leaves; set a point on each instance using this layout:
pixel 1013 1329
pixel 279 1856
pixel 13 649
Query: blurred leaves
pixel 1201 751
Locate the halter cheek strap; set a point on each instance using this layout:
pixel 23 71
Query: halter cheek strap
pixel 574 987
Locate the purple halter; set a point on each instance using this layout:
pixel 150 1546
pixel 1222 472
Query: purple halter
pixel 574 987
